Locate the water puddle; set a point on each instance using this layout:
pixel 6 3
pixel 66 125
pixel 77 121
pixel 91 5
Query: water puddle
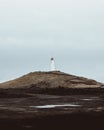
pixel 54 106
pixel 87 99
pixel 90 99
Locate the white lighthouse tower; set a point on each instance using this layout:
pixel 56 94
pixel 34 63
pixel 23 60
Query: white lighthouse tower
pixel 52 64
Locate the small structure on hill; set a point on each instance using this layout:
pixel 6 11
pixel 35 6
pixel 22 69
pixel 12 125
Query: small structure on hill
pixel 52 64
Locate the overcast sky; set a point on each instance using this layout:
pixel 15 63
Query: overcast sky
pixel 71 31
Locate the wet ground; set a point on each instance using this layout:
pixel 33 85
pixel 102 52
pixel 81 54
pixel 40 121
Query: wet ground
pixel 42 111
pixel 39 103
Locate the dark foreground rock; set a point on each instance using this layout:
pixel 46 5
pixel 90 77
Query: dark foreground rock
pixel 80 121
pixel 25 109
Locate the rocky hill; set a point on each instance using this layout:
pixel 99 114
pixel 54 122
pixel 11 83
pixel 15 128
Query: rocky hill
pixel 54 79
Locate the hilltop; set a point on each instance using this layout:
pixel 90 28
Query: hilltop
pixel 52 79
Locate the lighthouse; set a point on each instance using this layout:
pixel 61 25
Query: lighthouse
pixel 52 64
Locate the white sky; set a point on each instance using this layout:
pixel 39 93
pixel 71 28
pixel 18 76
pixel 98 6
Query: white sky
pixel 31 31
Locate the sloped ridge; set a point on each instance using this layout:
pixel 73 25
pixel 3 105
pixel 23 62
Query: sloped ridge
pixel 53 79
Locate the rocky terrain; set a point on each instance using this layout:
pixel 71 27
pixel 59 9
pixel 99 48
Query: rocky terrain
pixel 43 111
pixel 51 100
